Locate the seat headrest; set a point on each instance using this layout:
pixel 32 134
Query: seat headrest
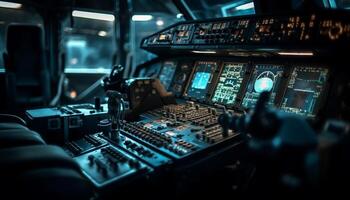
pixel 21 36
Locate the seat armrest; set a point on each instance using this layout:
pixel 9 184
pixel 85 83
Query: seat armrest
pixel 7 118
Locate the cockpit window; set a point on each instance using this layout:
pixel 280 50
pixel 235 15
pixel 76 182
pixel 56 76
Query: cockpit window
pixel 18 13
pixel 88 42
pixel 340 4
pixel 147 19
pixel 206 9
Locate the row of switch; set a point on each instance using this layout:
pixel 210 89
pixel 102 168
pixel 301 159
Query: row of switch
pixel 138 148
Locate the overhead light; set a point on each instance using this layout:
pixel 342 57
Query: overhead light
pixel 246 6
pixel 179 16
pixel 160 22
pixel 306 53
pixel 205 52
pixel 93 15
pixel 5 4
pixel 74 61
pixel 102 33
pixel 73 94
pixel 68 29
pixel 141 18
pixel 76 43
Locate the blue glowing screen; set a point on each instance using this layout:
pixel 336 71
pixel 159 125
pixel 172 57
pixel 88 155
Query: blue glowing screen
pixel 265 77
pixel 167 73
pixel 229 83
pixel 263 84
pixel 200 80
pixel 304 90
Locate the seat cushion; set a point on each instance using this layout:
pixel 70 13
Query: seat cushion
pixel 19 137
pixel 53 184
pixel 41 172
pixel 20 159
pixel 10 121
pixel 6 126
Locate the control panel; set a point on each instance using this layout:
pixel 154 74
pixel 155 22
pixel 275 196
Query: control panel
pixel 209 78
pixel 142 152
pixel 83 145
pixel 229 83
pixel 236 85
pixel 181 130
pixel 304 91
pixel 202 78
pixel 181 77
pixel 109 164
pixel 248 34
pixel 71 120
pixel 264 78
pixel 167 74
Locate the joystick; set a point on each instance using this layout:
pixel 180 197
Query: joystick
pixel 116 112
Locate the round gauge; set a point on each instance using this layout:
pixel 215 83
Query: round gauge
pixel 264 82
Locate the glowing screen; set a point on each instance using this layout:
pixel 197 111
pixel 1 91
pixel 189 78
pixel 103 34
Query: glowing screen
pixel 304 90
pixel 229 83
pixel 264 78
pixel 201 79
pixel 180 78
pixel 167 73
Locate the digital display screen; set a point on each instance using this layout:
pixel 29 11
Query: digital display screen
pixel 229 83
pixel 304 90
pixel 167 73
pixel 201 79
pixel 264 78
pixel 180 78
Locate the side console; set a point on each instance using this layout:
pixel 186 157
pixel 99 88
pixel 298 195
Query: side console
pixel 60 124
pixel 110 165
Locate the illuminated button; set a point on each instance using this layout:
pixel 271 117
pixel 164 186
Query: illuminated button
pixel 263 84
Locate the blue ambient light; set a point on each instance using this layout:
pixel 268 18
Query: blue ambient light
pixel 201 80
pixel 263 84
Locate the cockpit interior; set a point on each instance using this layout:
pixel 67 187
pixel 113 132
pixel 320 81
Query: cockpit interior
pixel 174 99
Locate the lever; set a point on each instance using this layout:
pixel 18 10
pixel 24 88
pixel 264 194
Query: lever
pixel 116 108
pixel 97 103
pixel 261 123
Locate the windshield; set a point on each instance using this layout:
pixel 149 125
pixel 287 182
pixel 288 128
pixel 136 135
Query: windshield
pixel 88 44
pixel 206 9
pixel 345 4
pixel 147 19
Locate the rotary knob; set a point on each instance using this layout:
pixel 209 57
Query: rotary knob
pixel 335 31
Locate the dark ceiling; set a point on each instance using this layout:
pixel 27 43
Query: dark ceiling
pixel 102 5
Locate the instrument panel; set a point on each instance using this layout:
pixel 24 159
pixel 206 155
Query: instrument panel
pixel 234 84
pixel 167 73
pixel 304 90
pixel 264 78
pixel 229 83
pixel 318 30
pixel 201 80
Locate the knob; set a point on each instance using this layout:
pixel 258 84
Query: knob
pixel 133 163
pixel 97 103
pixel 103 170
pixel 335 31
pixel 197 107
pixel 91 159
pixel 105 127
